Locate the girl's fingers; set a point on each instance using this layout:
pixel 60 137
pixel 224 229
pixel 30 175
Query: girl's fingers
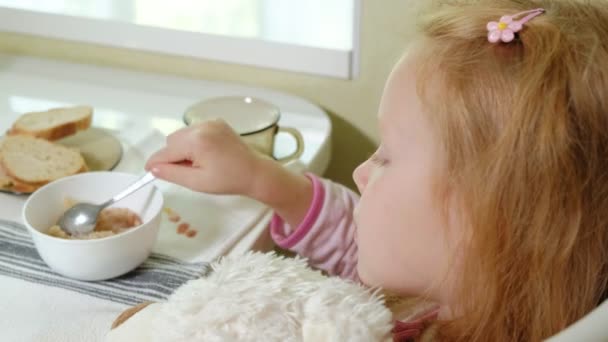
pixel 182 174
pixel 170 154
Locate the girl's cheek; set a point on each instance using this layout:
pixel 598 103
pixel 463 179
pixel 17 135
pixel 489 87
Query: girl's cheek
pixel 374 174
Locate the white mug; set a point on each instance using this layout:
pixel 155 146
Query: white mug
pixel 255 120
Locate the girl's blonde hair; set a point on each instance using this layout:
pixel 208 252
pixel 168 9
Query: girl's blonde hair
pixel 525 130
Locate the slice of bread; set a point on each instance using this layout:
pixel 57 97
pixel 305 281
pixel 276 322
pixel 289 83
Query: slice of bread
pixel 5 180
pixel 37 161
pixel 54 123
pixel 13 185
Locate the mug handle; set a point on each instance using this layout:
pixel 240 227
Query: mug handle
pixel 299 144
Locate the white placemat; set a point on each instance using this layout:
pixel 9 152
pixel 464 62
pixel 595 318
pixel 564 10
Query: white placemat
pixel 219 221
pixel 41 305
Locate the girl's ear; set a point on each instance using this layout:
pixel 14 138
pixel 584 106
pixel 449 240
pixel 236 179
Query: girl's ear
pixel 125 315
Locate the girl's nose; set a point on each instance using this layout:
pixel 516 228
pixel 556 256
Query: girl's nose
pixel 361 175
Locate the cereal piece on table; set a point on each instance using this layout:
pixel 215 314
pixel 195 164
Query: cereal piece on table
pixel 174 218
pixel 172 215
pixel 183 228
pixel 191 233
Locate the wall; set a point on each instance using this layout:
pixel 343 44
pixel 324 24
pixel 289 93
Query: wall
pixel 352 104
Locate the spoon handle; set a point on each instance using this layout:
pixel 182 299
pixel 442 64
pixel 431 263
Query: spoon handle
pixel 145 179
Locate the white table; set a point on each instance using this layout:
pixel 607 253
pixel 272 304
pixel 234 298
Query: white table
pixel 140 109
pixel 136 105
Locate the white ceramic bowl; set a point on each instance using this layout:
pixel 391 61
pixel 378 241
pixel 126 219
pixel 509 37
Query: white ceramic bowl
pixel 95 259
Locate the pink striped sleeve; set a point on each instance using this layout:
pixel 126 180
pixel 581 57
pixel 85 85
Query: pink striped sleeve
pixel 326 235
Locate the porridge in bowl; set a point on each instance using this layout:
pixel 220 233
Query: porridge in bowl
pixel 111 221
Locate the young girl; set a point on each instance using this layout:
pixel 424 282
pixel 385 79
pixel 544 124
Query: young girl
pixel 488 194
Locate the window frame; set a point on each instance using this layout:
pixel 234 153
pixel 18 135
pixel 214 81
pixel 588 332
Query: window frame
pixel 252 52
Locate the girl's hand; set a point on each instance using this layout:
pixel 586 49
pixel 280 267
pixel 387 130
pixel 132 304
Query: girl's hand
pixel 208 157
pixel 211 157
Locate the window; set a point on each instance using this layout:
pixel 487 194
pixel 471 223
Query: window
pixel 312 36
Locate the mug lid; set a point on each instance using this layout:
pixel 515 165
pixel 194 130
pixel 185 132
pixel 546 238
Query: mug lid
pixel 244 114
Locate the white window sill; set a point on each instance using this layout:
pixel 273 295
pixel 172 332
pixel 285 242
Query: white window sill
pixel 254 52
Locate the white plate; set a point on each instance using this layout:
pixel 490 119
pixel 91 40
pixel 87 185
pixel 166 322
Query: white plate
pixel 101 150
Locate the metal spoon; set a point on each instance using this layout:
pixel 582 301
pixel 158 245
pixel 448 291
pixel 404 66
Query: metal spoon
pixel 82 218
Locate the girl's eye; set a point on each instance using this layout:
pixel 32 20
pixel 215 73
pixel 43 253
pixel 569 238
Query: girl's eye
pixel 376 159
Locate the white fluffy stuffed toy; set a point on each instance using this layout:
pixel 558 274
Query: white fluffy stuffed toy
pixel 261 297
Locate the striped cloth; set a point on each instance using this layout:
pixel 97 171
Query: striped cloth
pixel 154 280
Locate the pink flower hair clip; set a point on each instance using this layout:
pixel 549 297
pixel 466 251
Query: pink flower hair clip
pixel 506 27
